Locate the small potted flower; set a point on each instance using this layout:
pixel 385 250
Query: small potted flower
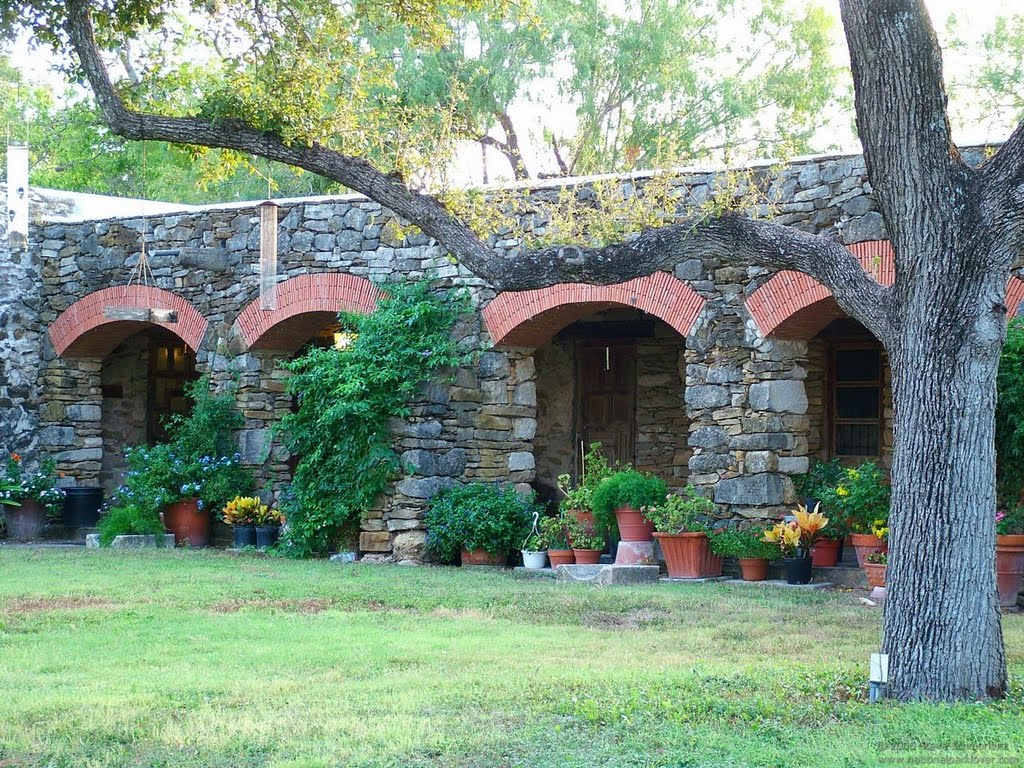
pixel 240 514
pixel 748 547
pixel 861 501
pixel 267 521
pixel 577 500
pixel 557 540
pixel 795 539
pixel 587 543
pixel 478 523
pixel 29 497
pixel 680 522
pixel 1009 554
pixel 874 568
pixel 535 551
pixel 619 499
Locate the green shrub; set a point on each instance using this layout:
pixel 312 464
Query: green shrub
pixel 745 542
pixel 822 478
pixel 130 519
pixel 680 512
pixel 858 503
pixel 478 516
pixel 340 432
pixel 626 488
pixel 553 533
pixel 1010 418
pixel 596 470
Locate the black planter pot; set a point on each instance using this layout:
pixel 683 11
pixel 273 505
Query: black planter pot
pixel 82 507
pixel 266 535
pixel 245 536
pixel 798 570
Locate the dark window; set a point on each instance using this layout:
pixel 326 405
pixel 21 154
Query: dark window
pixel 171 366
pixel 857 401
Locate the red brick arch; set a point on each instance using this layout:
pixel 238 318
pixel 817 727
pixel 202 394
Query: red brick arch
pixel 305 306
pixel 793 305
pixel 85 330
pixel 530 318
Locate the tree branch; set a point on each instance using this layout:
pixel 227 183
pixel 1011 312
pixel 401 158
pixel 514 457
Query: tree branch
pixel 355 173
pixel 732 238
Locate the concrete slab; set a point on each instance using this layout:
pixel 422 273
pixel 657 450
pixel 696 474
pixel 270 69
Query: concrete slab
pixel 533 573
pixel 782 583
pixel 92 541
pixel 608 575
pixel 701 580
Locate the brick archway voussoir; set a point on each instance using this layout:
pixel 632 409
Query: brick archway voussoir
pixel 305 304
pixel 530 318
pixel 86 330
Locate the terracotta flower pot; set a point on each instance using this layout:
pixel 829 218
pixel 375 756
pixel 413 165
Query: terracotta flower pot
pixel 689 556
pixel 482 557
pixel 587 556
pixel 187 522
pixel 1009 567
pixel 25 522
pixel 633 526
pixel 754 568
pixel 825 554
pixel 561 557
pixel 865 544
pixel 876 574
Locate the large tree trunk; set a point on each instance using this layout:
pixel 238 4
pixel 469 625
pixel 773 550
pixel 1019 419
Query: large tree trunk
pixel 942 624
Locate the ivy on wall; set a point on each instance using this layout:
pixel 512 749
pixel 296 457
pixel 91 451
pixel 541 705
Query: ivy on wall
pixel 339 432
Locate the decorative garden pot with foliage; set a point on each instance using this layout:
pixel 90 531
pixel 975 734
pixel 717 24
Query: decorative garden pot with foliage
pixel 1009 567
pixel 245 536
pixel 587 556
pixel 865 544
pixel 534 560
pixel 633 526
pixel 266 535
pixel 825 553
pixel 561 557
pixel 585 516
pixel 187 522
pixel 483 557
pixel 689 556
pixel 754 568
pixel 25 522
pixel 876 574
pixel 798 569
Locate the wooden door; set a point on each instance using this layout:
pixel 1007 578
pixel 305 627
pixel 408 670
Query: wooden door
pixel 606 377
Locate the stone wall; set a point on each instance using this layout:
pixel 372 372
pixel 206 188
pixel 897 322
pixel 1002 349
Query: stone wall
pixel 747 421
pixel 125 398
pixel 662 424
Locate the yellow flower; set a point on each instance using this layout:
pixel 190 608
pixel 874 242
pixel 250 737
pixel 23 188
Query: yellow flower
pixel 810 522
pixel 791 537
pixel 842 491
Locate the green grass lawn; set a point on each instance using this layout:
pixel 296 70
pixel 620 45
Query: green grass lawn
pixel 201 659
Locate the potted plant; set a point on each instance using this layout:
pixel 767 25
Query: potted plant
pixel 577 500
pixel 861 501
pixel 619 499
pixel 587 543
pixel 795 539
pixel 535 551
pixel 1009 554
pixel 29 497
pixel 874 568
pixel 680 524
pixel 557 539
pixel 267 522
pixel 130 519
pixel 748 547
pixel 482 522
pixel 239 513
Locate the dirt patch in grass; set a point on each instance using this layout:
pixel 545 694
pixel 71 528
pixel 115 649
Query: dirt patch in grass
pixel 637 619
pixel 309 606
pixel 27 605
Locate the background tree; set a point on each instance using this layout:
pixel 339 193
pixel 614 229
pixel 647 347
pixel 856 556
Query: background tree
pixel 956 232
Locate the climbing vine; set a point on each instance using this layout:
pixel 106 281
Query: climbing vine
pixel 346 398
